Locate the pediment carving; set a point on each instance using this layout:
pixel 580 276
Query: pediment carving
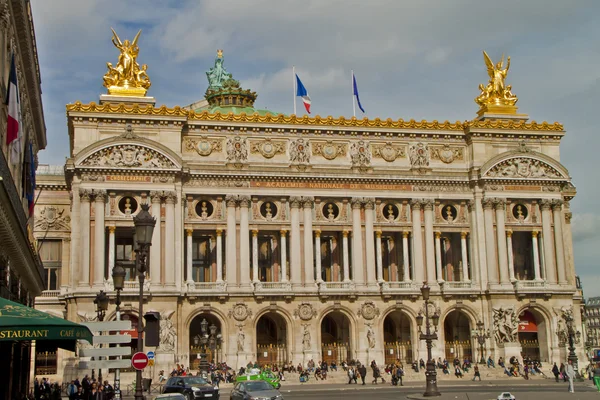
pixel 525 168
pixel 128 156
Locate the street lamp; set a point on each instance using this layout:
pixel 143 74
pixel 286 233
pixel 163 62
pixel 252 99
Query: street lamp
pixel 481 335
pixel 208 338
pixel 429 336
pixel 101 302
pixel 144 228
pixel 118 275
pixel 574 338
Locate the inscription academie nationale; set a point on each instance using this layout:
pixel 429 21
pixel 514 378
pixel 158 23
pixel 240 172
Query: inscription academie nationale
pixel 326 185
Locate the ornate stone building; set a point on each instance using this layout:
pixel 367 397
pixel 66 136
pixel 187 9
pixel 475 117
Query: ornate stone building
pixel 305 238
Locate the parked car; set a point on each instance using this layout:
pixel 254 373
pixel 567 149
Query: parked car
pixel 506 396
pixel 170 396
pixel 254 390
pixel 256 374
pixel 192 387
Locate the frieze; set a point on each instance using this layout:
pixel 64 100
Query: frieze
pixel 127 178
pixel 331 185
pixel 388 151
pixel 237 150
pixel 203 145
pixel 441 188
pixel 299 152
pixel 360 154
pixel 523 167
pixel 419 155
pixel 219 183
pixel 128 156
pixel 329 150
pixel 52 218
pixel 267 148
pixel 447 154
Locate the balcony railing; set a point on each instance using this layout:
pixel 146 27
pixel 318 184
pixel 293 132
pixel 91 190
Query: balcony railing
pixel 336 287
pixel 530 284
pixel 207 287
pixel 273 287
pixel 457 285
pixel 396 285
pixel 50 293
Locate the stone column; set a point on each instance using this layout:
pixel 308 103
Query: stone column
pixel 231 241
pixel 405 256
pixel 111 249
pixel 179 239
pixel 295 254
pixel 244 241
pixel 429 246
pixel 219 255
pixel 549 259
pixel 284 278
pixel 357 247
pixel 478 263
pixel 170 200
pixel 85 197
pixel 255 255
pixel 511 260
pixel 346 258
pixel 419 259
pixel 379 257
pixel 75 250
pixel 309 273
pixel 99 237
pixel 369 243
pixel 536 256
pixel 189 252
pixel 464 256
pixel 318 255
pixel 500 205
pixel 156 248
pixel 438 257
pixel 490 246
pixel 559 241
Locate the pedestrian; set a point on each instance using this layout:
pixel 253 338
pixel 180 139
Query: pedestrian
pixel 555 371
pixel 362 370
pixel 476 373
pixel 570 372
pixel 351 375
pixel 78 395
pixel 458 372
pixel 597 376
pixel 400 374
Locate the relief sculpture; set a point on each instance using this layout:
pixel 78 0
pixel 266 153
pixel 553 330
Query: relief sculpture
pixel 506 325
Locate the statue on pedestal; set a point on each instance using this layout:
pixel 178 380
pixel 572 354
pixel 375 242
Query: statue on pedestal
pixel 496 93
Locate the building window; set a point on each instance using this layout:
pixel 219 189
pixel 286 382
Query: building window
pixel 124 254
pixel 332 257
pixel 51 255
pixel 269 258
pixel 392 257
pixel 204 257
pixel 523 256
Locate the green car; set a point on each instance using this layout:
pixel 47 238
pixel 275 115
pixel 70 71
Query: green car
pixel 256 375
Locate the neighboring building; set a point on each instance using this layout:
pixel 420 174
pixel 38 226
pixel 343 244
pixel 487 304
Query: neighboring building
pixel 592 325
pixel 308 238
pixel 21 272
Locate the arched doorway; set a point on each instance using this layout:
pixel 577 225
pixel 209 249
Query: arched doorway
pixel 457 336
pixel 205 335
pixel 532 335
pixel 397 338
pixel 335 338
pixel 271 340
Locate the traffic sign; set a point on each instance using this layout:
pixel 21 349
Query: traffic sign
pixel 150 355
pixel 105 352
pixel 107 326
pixel 151 363
pixel 139 361
pixel 98 364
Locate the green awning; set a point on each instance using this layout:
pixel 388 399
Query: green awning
pixel 21 323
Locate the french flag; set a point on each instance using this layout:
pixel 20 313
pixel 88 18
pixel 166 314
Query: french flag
pixel 303 94
pixel 12 100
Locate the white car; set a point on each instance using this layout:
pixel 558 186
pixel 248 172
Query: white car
pixel 506 396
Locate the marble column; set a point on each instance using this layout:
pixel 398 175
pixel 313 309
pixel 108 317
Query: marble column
pixel 170 200
pixel 478 244
pixel 549 259
pixel 156 248
pixel 284 277
pixel 464 257
pixel 419 259
pixel 500 205
pixel 219 255
pixel 511 259
pixel 309 272
pixel 379 256
pixel 357 247
pixel 438 257
pixel 99 237
pixel 85 197
pixel 295 254
pixel 405 256
pixel 231 250
pixel 244 241
pixel 75 250
pixel 429 245
pixel 490 246
pixel 319 272
pixel 189 252
pixel 559 241
pixel 111 249
pixel 369 242
pixel 536 256
pixel 346 258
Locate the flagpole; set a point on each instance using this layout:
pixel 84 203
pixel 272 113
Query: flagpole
pixel 294 86
pixel 353 101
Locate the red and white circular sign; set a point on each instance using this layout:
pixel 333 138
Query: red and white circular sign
pixel 139 361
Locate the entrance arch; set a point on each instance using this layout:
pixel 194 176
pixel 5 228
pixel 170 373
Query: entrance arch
pixel 397 338
pixel 271 339
pixel 457 336
pixel 335 337
pixel 533 335
pixel 214 346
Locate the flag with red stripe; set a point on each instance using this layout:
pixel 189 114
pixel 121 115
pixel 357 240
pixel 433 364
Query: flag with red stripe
pixel 12 100
pixel 303 94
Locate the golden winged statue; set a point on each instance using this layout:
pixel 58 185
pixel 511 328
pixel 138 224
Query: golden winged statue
pixel 496 92
pixel 127 78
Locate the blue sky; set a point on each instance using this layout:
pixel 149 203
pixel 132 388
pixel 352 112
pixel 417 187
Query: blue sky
pixel 412 59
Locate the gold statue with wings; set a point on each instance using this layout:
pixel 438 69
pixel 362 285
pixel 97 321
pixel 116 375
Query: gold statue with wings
pixel 127 78
pixel 496 92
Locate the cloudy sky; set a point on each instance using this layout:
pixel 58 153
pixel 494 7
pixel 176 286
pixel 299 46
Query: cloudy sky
pixel 412 59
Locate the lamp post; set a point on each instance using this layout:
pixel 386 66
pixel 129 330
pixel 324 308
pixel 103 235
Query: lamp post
pixel 481 335
pixel 144 228
pixel 101 302
pixel 574 338
pixel 118 275
pixel 208 338
pixel 429 336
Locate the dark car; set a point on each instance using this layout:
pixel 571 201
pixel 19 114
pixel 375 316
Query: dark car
pixel 251 390
pixel 192 387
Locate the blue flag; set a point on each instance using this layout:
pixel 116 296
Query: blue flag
pixel 356 94
pixel 303 94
